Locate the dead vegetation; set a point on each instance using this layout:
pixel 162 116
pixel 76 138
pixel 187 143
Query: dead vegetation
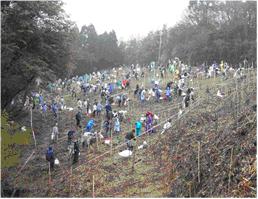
pixel 209 152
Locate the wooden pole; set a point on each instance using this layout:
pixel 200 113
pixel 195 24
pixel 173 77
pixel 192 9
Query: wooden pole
pixel 240 96
pixel 237 102
pixel 134 156
pixel 31 118
pixel 248 79
pixel 144 79
pixel 217 121
pixel 160 146
pixel 31 126
pixel 97 138
pixel 93 187
pixel 111 140
pixel 49 176
pixel 71 119
pixel 199 149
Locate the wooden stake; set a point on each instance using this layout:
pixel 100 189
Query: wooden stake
pixel 88 147
pixel 134 156
pixel 93 187
pixel 31 118
pixel 71 120
pixel 111 141
pixel 49 176
pixel 97 140
pixel 237 102
pixel 248 78
pixel 217 121
pixel 144 79
pixel 31 126
pixel 199 149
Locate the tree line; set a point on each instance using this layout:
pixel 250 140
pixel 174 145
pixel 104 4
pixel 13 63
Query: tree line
pixel 209 31
pixel 39 40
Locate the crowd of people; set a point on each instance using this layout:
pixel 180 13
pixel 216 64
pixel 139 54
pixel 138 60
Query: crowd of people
pixel 104 94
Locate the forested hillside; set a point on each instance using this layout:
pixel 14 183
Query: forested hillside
pixel 40 41
pixel 210 31
pixel 36 43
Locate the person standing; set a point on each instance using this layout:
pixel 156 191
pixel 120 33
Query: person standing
pixel 55 132
pixel 149 121
pixel 50 157
pixel 108 111
pixel 143 96
pixel 107 127
pixel 55 109
pixel 168 94
pixel 117 126
pixel 78 118
pixel 99 108
pixel 94 109
pixel 128 139
pixel 76 152
pixel 138 126
pixel 79 104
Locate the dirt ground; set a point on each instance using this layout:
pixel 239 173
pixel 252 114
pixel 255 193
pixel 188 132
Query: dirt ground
pixel 209 152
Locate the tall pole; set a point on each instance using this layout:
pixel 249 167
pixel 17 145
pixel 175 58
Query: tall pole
pixel 160 42
pixel 199 173
pixel 31 126
pixel 93 187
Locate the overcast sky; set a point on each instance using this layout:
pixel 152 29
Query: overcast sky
pixel 129 18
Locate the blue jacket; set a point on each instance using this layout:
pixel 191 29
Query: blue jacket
pixel 108 107
pixel 89 125
pixel 49 154
pixel 54 108
pixel 44 108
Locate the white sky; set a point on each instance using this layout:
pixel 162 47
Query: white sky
pixel 129 18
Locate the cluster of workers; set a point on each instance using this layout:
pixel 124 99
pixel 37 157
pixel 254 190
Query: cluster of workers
pixel 94 96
